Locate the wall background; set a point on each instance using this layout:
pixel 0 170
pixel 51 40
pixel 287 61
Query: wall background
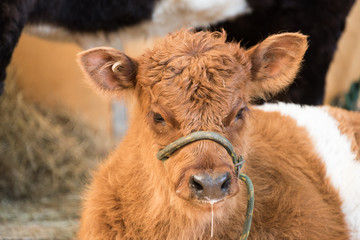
pixel 345 67
pixel 47 73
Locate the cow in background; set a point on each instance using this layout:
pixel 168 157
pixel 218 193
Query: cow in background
pixel 112 22
pixel 108 22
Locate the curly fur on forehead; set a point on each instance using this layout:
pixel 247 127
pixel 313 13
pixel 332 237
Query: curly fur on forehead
pixel 196 70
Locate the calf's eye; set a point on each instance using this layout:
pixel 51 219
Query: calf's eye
pixel 158 118
pixel 240 114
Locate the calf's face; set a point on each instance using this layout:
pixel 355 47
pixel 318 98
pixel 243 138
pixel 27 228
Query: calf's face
pixel 196 82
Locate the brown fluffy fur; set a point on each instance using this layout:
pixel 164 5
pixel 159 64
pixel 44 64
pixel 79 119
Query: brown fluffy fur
pixel 348 124
pixel 196 81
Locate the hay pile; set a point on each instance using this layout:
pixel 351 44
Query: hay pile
pixel 43 152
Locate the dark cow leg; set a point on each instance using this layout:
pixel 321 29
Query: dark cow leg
pixel 2 87
pixel 13 16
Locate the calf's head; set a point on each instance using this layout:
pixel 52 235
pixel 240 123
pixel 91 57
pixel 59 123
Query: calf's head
pixel 195 82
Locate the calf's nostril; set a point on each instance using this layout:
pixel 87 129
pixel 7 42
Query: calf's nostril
pixel 196 184
pixel 226 185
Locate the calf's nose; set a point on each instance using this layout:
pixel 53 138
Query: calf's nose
pixel 210 186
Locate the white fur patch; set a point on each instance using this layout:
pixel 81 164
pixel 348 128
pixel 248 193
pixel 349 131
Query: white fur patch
pixel 170 15
pixel 334 148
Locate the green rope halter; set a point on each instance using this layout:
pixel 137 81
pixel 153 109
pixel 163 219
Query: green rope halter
pixel 165 153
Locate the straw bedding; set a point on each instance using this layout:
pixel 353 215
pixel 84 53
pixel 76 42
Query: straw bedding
pixel 46 157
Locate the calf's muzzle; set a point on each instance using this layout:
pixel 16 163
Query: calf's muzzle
pixel 202 180
pixel 210 186
pixel 207 185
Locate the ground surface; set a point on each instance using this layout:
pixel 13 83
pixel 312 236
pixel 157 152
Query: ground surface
pixel 55 218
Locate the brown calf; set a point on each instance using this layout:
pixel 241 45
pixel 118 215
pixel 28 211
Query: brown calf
pixel 197 82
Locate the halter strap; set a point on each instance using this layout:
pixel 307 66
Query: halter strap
pixel 238 162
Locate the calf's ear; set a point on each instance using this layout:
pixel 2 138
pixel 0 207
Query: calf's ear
pixel 275 63
pixel 108 69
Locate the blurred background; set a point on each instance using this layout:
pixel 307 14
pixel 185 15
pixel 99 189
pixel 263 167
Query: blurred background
pixel 54 128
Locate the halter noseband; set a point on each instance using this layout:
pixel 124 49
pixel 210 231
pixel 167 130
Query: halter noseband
pixel 238 162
